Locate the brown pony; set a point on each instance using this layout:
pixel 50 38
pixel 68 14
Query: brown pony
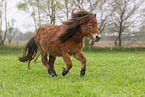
pixel 64 40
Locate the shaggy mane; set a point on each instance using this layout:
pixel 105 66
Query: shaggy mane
pixel 71 26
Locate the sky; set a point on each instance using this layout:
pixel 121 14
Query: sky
pixel 23 21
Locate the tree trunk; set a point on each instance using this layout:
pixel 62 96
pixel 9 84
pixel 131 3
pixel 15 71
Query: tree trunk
pixel 53 19
pixel 5 23
pixel 116 40
pixel 52 16
pixel 0 36
pixel 66 6
pixel 92 43
pixel 34 18
pixel 35 23
pixel 9 42
pixel 120 40
pixel 1 5
pixel 38 7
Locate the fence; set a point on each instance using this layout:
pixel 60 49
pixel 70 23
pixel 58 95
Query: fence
pixel 127 44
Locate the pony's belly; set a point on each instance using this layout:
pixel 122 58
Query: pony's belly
pixel 54 53
pixel 53 49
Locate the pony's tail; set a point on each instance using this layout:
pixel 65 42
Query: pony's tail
pixel 30 52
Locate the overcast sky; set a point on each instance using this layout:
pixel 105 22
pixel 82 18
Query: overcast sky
pixel 23 21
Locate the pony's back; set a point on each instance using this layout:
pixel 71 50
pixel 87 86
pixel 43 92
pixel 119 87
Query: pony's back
pixel 46 32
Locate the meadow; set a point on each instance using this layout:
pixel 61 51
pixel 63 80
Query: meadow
pixel 116 74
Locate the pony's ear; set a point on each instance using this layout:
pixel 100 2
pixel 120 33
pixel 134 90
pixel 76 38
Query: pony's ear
pixel 74 10
pixel 95 14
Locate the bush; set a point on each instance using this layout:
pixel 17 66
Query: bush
pixel 11 48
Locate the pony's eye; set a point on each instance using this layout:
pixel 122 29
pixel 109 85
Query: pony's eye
pixel 89 25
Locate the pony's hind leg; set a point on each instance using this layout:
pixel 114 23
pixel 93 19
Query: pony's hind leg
pixel 80 57
pixel 66 58
pixel 46 63
pixel 51 64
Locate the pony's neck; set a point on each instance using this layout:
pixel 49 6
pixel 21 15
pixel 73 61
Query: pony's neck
pixel 77 37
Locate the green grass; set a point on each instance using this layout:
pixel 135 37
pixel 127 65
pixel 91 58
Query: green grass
pixel 116 74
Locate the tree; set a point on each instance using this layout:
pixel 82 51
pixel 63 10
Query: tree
pixel 5 15
pixel 1 7
pixel 142 27
pixel 79 3
pixel 11 31
pixel 32 7
pixel 125 15
pixel 43 12
pixel 101 8
pixel 49 9
pixel 103 14
pixel 38 9
pixel 65 9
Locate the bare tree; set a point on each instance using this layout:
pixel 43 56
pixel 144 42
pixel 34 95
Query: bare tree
pixel 104 13
pixel 125 15
pixel 51 8
pixel 96 6
pixel 31 7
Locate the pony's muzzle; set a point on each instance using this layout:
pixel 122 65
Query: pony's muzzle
pixel 94 37
pixel 97 38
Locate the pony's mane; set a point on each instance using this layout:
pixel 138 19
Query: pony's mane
pixel 71 26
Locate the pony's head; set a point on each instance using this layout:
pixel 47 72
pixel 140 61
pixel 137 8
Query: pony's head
pixel 88 24
pixel 84 22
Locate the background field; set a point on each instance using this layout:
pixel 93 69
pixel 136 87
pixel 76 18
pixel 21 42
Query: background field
pixel 116 74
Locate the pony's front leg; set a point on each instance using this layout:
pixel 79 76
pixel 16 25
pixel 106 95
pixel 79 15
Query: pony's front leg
pixel 66 58
pixel 79 56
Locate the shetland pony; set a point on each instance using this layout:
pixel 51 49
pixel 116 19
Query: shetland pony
pixel 64 40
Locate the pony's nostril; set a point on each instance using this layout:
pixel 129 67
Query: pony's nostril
pixel 97 37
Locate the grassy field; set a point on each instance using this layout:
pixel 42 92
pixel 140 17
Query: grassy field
pixel 116 74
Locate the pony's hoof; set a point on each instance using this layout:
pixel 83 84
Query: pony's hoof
pixel 82 73
pixel 52 73
pixel 64 72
